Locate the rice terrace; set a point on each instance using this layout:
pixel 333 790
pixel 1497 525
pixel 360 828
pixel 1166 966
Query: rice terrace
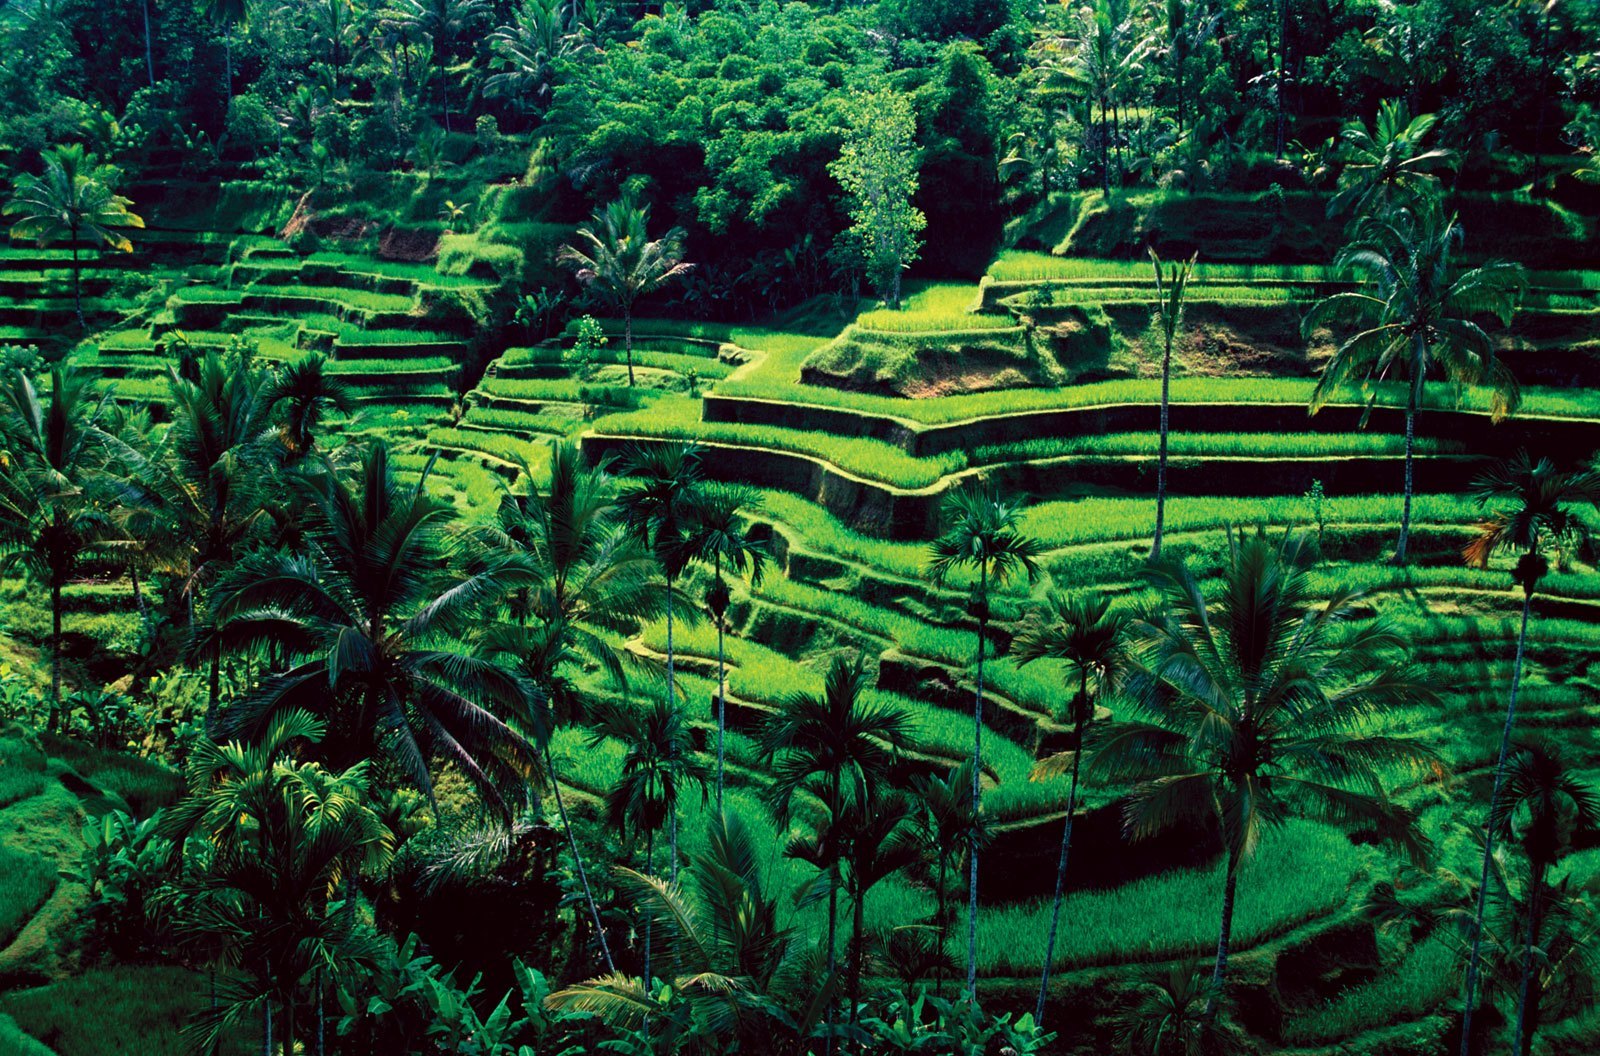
pixel 812 528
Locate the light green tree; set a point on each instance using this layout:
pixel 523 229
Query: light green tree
pixel 71 200
pixel 877 167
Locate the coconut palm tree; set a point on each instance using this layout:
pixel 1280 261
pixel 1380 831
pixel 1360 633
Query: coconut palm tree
pixel 71 201
pixel 738 975
pixel 1087 636
pixel 271 842
pixel 54 444
pixel 370 619
pixel 1549 803
pixel 839 748
pixel 950 827
pixel 662 499
pixel 306 392
pixel 1255 708
pixel 659 760
pixel 590 578
pixel 618 262
pixel 1170 290
pixel 1388 164
pixel 1416 315
pixel 721 538
pixel 227 15
pixel 982 532
pixel 1530 507
pixel 207 486
pixel 444 23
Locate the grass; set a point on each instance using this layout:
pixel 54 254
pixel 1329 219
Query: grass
pixel 119 1011
pixel 935 307
pixel 1424 978
pixel 1300 872
pixel 29 879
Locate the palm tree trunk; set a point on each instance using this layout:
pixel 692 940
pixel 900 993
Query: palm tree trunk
pixel 1061 874
pixel 1225 935
pixel 1413 404
pixel 321 1021
pixel 227 64
pixel 944 922
pixel 672 703
pixel 858 944
pixel 288 1025
pixel 977 787
pixel 650 870
pixel 1522 1038
pixel 627 338
pixel 77 282
pixel 214 682
pixel 54 722
pixel 1161 455
pixel 149 58
pixel 1283 68
pixel 1105 150
pixel 267 1047
pixel 722 718
pixel 577 860
pixel 1488 828
pixel 833 959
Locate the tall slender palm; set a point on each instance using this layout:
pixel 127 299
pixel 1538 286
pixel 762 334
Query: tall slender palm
pixel 444 23
pixel 369 620
pixel 950 827
pixel 306 392
pixel 838 747
pixel 525 53
pixel 272 840
pixel 589 576
pixel 208 483
pixel 739 974
pixel 660 503
pixel 227 15
pixel 1387 165
pixel 54 444
pixel 982 532
pixel 1546 799
pixel 1258 707
pixel 1087 636
pixel 1529 504
pixel 721 537
pixel 659 760
pixel 881 838
pixel 1170 290
pixel 616 259
pixel 1417 314
pixel 71 201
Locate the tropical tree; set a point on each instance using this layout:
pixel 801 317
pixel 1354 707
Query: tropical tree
pixel 1529 506
pixel 71 201
pixel 1109 53
pixel 658 761
pixel 206 487
pixel 839 748
pixel 1417 314
pixel 741 980
pixel 1174 1013
pixel 660 502
pixel 272 845
pixel 1545 803
pixel 54 444
pixel 1257 707
pixel 982 532
pixel 227 15
pixel 525 53
pixel 444 23
pixel 1170 290
pixel 877 169
pixel 369 620
pixel 881 836
pixel 950 828
pixel 587 576
pixel 1087 636
pixel 616 260
pixel 721 538
pixel 306 392
pixel 1387 165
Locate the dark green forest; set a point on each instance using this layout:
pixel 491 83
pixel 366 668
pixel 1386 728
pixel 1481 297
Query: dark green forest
pixel 982 527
